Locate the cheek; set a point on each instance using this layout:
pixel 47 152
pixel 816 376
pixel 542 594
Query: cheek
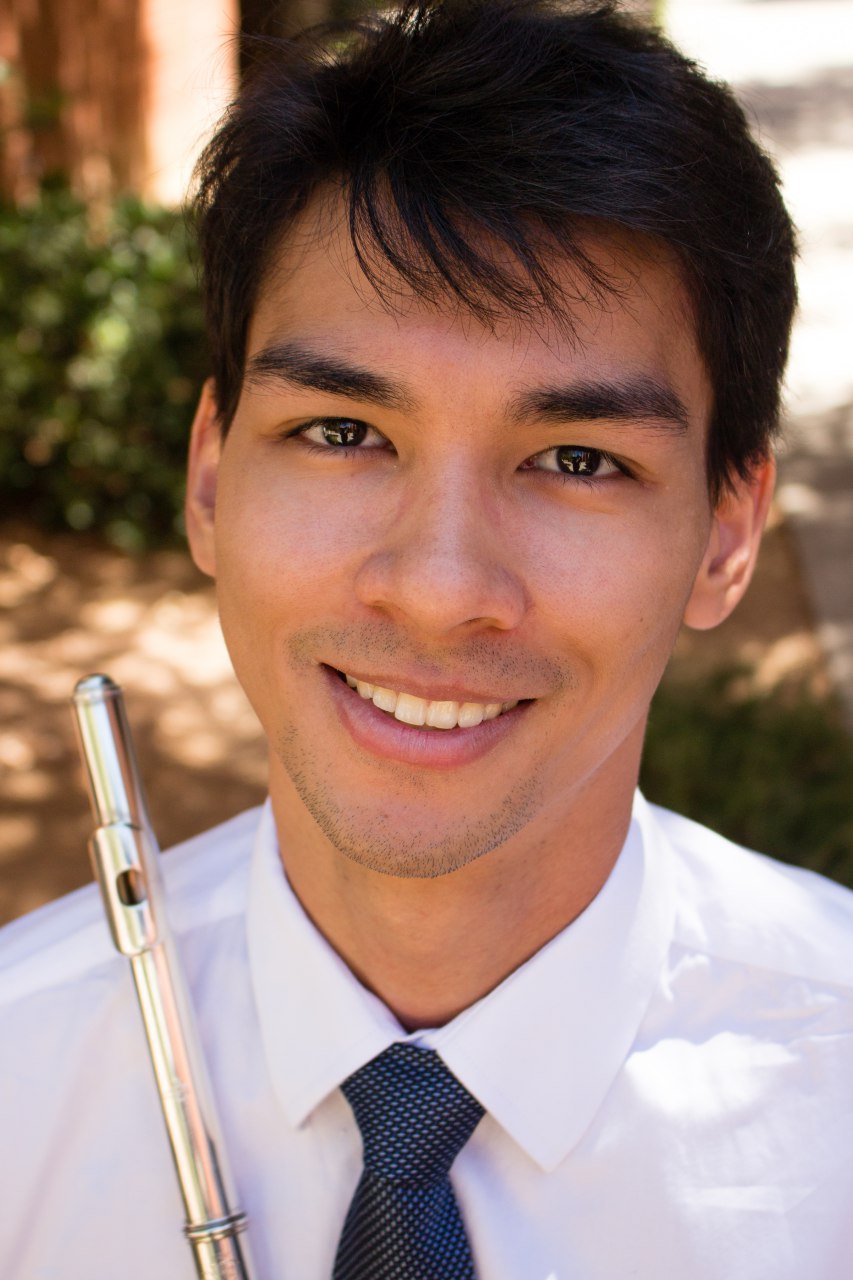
pixel 617 586
pixel 281 555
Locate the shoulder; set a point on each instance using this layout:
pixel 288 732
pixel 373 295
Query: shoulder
pixel 67 941
pixel 737 905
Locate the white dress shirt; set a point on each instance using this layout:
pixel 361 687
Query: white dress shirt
pixel 668 1084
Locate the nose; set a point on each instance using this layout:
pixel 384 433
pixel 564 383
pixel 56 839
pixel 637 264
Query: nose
pixel 442 563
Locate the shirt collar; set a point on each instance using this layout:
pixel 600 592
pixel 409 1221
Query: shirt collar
pixel 539 1052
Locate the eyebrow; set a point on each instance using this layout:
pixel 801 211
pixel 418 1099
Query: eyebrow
pixel 639 399
pixel 301 367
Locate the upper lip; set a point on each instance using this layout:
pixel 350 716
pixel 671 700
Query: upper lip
pixel 447 691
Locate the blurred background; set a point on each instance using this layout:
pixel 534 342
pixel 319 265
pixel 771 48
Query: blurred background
pixel 103 107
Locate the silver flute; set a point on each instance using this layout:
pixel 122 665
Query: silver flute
pixel 125 859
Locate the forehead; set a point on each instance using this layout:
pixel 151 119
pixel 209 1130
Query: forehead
pixel 641 323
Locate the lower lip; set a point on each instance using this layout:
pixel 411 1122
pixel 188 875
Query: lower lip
pixel 378 732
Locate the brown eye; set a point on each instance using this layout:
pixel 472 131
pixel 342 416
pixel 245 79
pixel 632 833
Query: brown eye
pixel 577 461
pixel 335 435
pixel 343 432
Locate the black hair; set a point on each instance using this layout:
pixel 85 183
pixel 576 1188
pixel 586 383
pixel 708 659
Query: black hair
pixel 449 125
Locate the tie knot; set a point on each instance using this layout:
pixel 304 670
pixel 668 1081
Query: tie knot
pixel 414 1115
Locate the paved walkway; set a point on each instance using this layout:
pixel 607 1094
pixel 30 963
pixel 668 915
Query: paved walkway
pixel 791 62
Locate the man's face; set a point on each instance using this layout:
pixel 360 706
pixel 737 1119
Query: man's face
pixel 479 521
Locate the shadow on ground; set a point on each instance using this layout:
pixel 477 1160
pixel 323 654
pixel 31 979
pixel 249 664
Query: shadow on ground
pixel 71 607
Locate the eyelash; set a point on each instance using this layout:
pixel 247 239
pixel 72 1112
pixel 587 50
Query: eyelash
pixel 350 451
pixel 341 451
pixel 575 478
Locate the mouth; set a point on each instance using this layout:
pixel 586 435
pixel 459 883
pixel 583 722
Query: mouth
pixel 423 713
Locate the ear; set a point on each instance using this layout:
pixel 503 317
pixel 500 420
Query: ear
pixel 733 542
pixel 202 474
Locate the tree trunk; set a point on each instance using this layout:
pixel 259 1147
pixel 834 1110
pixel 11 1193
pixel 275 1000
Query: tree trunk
pixel 74 96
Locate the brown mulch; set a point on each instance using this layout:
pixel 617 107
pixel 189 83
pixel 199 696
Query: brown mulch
pixel 71 607
pixel 68 607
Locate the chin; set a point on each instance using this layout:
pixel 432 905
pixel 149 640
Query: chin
pixel 404 841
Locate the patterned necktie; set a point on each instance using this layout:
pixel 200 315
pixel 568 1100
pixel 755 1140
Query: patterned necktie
pixel 404 1223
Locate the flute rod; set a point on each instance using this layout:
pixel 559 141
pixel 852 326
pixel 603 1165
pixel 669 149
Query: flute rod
pixel 126 863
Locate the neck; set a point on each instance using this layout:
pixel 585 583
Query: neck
pixel 430 948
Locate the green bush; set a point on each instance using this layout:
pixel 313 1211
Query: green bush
pixel 772 772
pixel 101 358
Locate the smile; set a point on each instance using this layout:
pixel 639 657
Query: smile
pixel 422 713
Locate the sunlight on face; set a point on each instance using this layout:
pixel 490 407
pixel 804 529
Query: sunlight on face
pixel 458 516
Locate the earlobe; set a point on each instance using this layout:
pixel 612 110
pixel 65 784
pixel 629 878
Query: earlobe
pixel 202 475
pixel 732 550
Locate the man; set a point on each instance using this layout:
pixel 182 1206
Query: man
pixel 499 297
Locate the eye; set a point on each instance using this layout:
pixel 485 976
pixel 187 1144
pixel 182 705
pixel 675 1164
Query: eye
pixel 575 460
pixel 341 433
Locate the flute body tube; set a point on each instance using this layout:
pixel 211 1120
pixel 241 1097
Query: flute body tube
pixel 125 858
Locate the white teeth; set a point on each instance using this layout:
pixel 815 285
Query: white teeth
pixel 442 715
pixel 384 699
pixel 410 709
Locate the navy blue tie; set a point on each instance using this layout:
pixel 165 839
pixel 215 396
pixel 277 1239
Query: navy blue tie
pixel 404 1223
